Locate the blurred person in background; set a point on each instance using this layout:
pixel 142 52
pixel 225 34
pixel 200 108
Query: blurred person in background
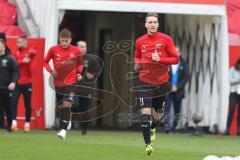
pixel 9 75
pixel 61 55
pixel 91 69
pixel 234 97
pixel 25 58
pixel 178 77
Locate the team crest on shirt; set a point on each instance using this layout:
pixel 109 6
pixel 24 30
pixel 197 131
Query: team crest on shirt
pixel 72 55
pixel 158 46
pixel 143 48
pixel 58 57
pixel 4 62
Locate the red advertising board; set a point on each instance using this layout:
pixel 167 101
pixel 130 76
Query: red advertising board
pixel 234 55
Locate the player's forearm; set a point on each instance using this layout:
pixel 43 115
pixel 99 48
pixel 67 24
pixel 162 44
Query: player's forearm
pixel 46 64
pixel 137 60
pixel 137 55
pixel 48 68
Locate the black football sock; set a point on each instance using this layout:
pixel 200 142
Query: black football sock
pixel 155 123
pixel 145 125
pixel 64 125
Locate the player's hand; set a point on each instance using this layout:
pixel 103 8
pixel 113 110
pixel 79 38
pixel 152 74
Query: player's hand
pixel 11 86
pixel 155 56
pixel 174 88
pixel 79 77
pixel 26 60
pixel 89 75
pixel 32 51
pixel 54 74
pixel 137 67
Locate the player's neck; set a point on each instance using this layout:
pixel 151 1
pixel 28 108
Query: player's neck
pixel 64 47
pixel 2 54
pixel 151 33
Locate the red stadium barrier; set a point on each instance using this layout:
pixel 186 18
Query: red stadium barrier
pixel 8 14
pixel 37 119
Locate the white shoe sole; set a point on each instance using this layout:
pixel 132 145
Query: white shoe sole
pixel 60 137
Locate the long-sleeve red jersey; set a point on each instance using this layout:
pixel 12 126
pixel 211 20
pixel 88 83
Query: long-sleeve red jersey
pixel 25 68
pixel 67 63
pixel 153 72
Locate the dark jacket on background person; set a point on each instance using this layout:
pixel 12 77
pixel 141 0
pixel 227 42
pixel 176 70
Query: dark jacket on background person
pixel 3 38
pixel 91 64
pixel 8 70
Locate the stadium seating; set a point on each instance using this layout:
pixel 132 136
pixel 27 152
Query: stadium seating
pixel 11 30
pixel 8 13
pixel 8 19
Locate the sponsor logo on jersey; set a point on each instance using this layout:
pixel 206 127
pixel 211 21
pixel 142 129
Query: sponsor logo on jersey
pixel 4 62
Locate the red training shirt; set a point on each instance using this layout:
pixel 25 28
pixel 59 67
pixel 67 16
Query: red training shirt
pixel 153 72
pixel 66 61
pixel 25 68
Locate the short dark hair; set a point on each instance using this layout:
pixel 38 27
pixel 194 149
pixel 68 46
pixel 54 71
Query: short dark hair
pixel 23 37
pixel 151 14
pixel 3 36
pixel 65 33
pixel 237 64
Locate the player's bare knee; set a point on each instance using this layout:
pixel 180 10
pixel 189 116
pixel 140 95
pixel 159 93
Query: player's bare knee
pixel 158 116
pixel 146 111
pixel 67 104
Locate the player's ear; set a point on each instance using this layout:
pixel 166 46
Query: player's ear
pixel 146 24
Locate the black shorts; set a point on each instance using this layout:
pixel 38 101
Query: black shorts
pixel 153 97
pixel 65 93
pixel 81 104
pixel 155 102
pixel 60 97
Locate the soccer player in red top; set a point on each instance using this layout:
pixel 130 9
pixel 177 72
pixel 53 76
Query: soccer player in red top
pixel 154 51
pixel 24 56
pixel 65 72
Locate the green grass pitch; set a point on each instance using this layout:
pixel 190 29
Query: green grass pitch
pixel 103 145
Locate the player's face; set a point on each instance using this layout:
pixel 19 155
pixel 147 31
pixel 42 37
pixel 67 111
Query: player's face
pixel 1 48
pixel 151 24
pixel 83 47
pixel 65 42
pixel 21 43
